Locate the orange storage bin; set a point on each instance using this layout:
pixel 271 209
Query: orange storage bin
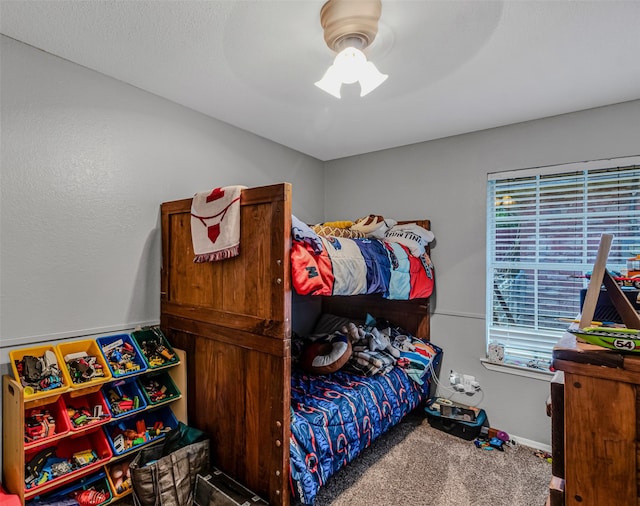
pixel 46 386
pixel 120 478
pixel 85 368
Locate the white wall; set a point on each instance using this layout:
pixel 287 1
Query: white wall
pixel 445 181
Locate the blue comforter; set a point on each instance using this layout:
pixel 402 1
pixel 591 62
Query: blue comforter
pixel 335 417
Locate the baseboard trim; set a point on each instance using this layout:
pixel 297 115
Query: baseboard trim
pixel 532 444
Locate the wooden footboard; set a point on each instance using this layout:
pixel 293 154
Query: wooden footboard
pixel 233 320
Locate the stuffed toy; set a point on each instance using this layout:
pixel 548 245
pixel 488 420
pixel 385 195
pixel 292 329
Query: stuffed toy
pixel 351 331
pixel 380 341
pixel 373 226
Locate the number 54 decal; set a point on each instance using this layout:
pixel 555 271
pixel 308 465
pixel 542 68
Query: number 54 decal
pixel 624 344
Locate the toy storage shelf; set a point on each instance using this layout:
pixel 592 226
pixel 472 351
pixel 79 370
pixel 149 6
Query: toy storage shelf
pixel 14 406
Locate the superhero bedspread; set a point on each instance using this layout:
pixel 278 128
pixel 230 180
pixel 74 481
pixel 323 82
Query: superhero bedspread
pixel 394 263
pixel 334 417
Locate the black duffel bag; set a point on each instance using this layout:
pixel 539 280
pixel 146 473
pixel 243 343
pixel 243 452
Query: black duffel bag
pixel 165 475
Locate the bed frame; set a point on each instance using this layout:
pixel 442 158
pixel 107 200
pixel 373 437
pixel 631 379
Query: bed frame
pixel 233 319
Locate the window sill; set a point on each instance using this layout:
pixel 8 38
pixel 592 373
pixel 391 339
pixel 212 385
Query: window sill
pixel 516 370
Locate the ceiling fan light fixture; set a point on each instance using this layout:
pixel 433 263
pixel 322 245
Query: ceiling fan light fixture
pixel 370 78
pixel 351 66
pixel 349 27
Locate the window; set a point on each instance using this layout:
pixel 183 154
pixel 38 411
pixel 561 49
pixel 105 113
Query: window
pixel 543 230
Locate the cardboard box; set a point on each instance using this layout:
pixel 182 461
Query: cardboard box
pixel 217 489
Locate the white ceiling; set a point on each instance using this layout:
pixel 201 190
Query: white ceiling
pixel 454 66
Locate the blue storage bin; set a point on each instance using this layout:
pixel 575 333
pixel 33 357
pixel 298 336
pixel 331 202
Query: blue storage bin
pixel 97 482
pixel 124 398
pixel 120 433
pixel 122 355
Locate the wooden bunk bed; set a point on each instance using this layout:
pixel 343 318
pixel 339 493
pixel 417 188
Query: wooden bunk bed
pixel 233 319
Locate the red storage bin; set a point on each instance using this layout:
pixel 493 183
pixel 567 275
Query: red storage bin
pixel 86 411
pixel 69 458
pixel 45 423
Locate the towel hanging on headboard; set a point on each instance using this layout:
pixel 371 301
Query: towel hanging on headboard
pixel 215 224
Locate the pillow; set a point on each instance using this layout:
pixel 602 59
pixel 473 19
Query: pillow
pixel 337 229
pixel 329 323
pixel 412 236
pixel 326 355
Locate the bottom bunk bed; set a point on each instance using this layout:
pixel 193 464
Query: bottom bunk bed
pixel 334 417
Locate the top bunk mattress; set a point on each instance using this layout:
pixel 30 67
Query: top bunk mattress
pixel 395 264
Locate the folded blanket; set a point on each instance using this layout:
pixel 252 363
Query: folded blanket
pixel 215 224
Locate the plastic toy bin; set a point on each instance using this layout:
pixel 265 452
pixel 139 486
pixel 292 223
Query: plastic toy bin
pixel 120 478
pixel 36 391
pixel 88 452
pixel 86 411
pixel 123 398
pixel 155 348
pixel 44 423
pixel 122 355
pixel 135 432
pixel 158 388
pixel 96 482
pixel 87 382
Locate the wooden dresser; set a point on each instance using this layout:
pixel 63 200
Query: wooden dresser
pixel 596 427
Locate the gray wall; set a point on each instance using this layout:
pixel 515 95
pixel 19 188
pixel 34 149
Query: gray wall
pixel 85 163
pixel 445 181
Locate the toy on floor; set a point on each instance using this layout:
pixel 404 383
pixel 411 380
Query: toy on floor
pixel 543 455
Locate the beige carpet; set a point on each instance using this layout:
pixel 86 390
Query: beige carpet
pixel 416 465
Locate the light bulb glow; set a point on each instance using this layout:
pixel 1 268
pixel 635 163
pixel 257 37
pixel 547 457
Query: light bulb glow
pixel 349 66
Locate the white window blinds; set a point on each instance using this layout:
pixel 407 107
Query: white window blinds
pixel 543 230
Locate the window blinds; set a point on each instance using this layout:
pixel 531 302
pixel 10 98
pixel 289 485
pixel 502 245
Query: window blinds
pixel 543 230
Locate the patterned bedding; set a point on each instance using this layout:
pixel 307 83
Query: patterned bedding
pixel 360 266
pixel 335 417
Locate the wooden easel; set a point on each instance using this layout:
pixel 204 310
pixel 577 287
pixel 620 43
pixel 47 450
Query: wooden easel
pixel 599 276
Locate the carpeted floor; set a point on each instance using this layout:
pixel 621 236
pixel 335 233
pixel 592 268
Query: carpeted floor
pixel 416 465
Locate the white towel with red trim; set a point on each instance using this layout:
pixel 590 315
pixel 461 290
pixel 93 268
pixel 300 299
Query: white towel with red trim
pixel 215 224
